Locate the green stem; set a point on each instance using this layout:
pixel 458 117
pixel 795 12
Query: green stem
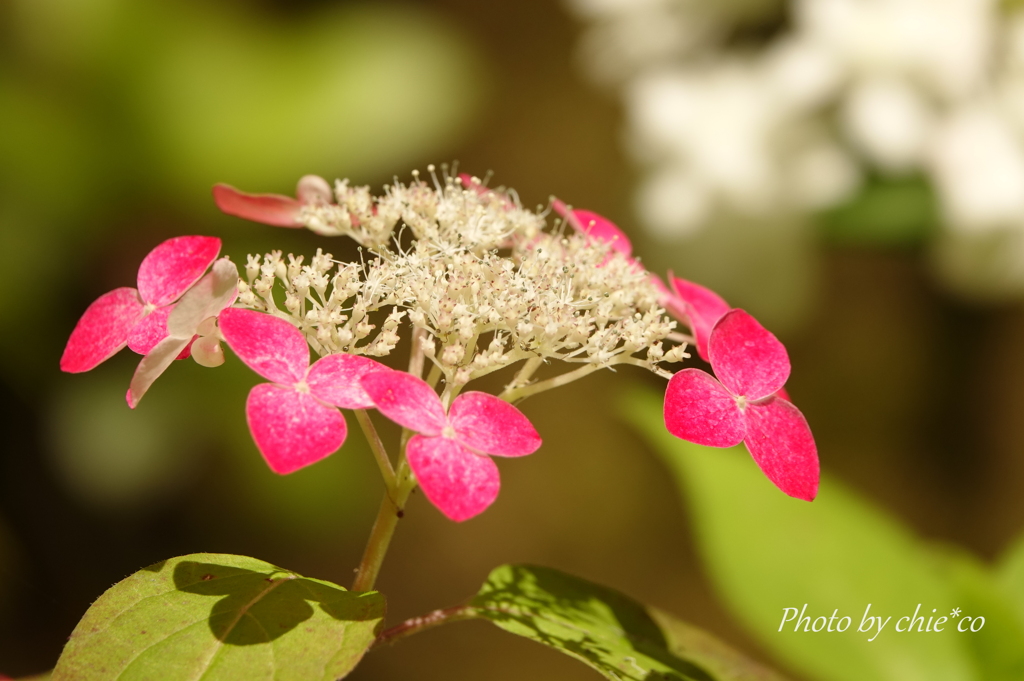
pixel 392 508
pixel 386 470
pixel 434 376
pixel 417 624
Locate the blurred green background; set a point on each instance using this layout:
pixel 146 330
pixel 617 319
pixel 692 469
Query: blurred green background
pixel 116 118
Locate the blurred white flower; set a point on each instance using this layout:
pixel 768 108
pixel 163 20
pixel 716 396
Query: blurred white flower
pixel 978 165
pixel 889 121
pixel 789 117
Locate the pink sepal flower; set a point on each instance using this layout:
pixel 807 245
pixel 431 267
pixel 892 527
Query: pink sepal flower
pixel 138 317
pixel 595 226
pixel 448 453
pixel 744 405
pixel 294 420
pixel 691 303
pixel 207 298
pixel 273 209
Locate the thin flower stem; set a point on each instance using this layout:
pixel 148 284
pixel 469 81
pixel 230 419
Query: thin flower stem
pixel 515 394
pixel 526 372
pixel 392 508
pixel 386 470
pixel 416 354
pixel 415 625
pixel 434 376
pixel 681 338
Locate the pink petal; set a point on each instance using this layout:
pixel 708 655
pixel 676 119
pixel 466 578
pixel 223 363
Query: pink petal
pixel 292 429
pixel 460 483
pixel 467 181
pixel 596 226
pixel 153 365
pixel 313 189
pixel 269 345
pixel 335 380
pixel 270 209
pixel 746 357
pixel 408 401
pixel 702 307
pixel 102 330
pixel 173 266
pixel 150 330
pixel 699 409
pixel 781 443
pixel 486 424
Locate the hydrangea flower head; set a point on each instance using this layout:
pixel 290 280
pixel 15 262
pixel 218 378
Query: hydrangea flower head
pixel 449 452
pixel 192 316
pixel 138 317
pixel 744 405
pixel 293 419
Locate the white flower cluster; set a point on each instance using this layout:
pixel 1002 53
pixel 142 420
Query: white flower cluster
pixel 791 122
pixel 481 282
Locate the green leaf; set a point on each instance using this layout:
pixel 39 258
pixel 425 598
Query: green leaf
pixel 220 617
pixel 1011 576
pixel 998 648
pixel 767 552
pixel 608 631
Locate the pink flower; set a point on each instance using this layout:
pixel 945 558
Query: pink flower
pixel 193 314
pixel 448 454
pixel 293 419
pixel 273 209
pixel 691 303
pixel 138 317
pixel 595 226
pixel 746 406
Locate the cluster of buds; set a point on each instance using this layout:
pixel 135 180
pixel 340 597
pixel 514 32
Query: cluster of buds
pixel 481 284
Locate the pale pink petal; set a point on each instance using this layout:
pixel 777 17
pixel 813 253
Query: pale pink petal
pixel 596 226
pixel 486 424
pixel 335 380
pixel 207 351
pixel 206 299
pixel 102 330
pixel 150 330
pixel 292 429
pixel 408 401
pixel 153 365
pixel 270 209
pixel 746 357
pixel 269 345
pixel 781 443
pixel 699 409
pixel 700 306
pixel 173 266
pixel 313 189
pixel 460 483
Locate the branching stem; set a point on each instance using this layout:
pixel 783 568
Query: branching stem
pixel 429 621
pixel 386 470
pixel 514 394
